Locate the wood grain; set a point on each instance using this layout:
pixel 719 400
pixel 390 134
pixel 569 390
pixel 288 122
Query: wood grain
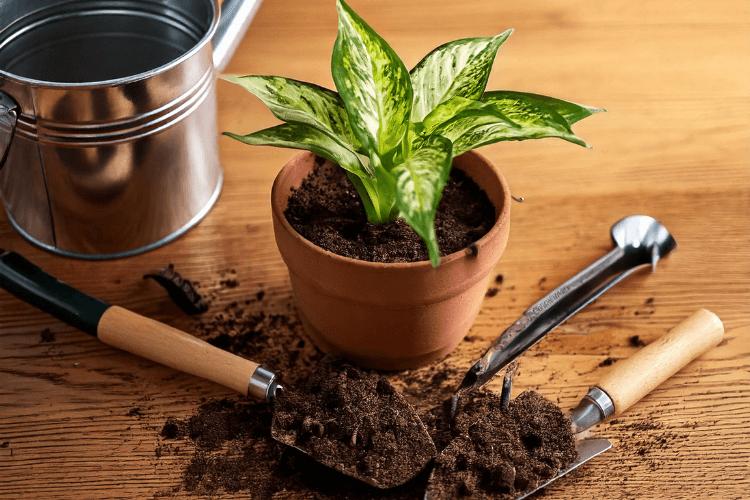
pixel 645 370
pixel 81 419
pixel 176 349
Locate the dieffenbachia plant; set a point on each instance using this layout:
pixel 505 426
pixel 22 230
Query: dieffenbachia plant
pixel 394 131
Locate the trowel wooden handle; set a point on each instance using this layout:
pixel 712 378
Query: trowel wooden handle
pixel 633 378
pixel 168 346
pixel 132 332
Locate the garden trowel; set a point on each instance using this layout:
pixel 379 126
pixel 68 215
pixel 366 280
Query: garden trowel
pixel 163 344
pixel 629 381
pixel 633 378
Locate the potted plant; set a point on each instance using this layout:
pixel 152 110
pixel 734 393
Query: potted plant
pixel 397 134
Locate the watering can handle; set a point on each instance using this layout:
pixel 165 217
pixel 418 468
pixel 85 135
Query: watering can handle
pixel 236 16
pixel 8 119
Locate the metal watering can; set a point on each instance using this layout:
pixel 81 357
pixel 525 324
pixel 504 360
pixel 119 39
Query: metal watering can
pixel 108 139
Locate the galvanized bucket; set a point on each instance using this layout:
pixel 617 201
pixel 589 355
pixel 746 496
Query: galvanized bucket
pixel 108 140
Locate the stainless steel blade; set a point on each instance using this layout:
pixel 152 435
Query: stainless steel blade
pixel 587 449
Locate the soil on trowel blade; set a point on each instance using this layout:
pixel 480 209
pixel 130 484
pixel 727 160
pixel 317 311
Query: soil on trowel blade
pixel 501 453
pixel 327 211
pixel 354 421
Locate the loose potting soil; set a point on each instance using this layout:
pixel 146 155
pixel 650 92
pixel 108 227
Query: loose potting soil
pixel 327 210
pixel 501 453
pixel 228 447
pixel 356 422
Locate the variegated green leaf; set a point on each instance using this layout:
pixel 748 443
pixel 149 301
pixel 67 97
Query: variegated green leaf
pixel 419 186
pixel 294 101
pixel 372 81
pixel 458 68
pixel 534 120
pixel 570 111
pixel 303 136
pixel 459 108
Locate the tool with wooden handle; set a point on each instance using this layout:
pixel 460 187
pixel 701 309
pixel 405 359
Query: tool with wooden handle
pixel 158 342
pixel 134 333
pixel 633 378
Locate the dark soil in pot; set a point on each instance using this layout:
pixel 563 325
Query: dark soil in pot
pixel 327 211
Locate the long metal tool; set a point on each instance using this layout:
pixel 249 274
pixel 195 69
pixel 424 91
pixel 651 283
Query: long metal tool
pixel 640 241
pixel 633 378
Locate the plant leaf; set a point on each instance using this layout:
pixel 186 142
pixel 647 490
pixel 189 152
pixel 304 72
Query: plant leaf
pixel 302 136
pixel 570 111
pixel 458 68
pixel 458 108
pixel 534 120
pixel 419 186
pixel 294 101
pixel 372 81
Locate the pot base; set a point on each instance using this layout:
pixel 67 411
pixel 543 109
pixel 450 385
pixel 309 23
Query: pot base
pixel 374 361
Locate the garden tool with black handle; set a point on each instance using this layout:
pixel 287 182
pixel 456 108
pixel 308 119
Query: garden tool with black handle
pixel 163 344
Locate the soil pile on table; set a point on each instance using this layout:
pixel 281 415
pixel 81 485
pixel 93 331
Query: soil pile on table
pixel 327 210
pixel 225 444
pixel 501 453
pixel 354 421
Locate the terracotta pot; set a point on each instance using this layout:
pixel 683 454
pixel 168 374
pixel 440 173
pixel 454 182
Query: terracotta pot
pixel 390 316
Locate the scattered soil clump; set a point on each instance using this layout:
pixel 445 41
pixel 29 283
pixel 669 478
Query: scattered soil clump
pixel 356 422
pixel 497 454
pixel 327 211
pixel 181 290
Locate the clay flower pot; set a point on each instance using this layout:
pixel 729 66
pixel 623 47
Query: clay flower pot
pixel 390 316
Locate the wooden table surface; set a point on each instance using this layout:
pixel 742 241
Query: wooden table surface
pixel 675 145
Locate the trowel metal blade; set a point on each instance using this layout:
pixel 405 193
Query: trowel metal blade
pixel 587 449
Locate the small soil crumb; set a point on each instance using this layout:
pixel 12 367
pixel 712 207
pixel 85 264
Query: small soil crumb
pixel 636 341
pixel 501 454
pixel 492 292
pixel 135 412
pixel 327 210
pixel 181 290
pixel 230 282
pixel 608 362
pixel 47 336
pixel 499 279
pixel 356 422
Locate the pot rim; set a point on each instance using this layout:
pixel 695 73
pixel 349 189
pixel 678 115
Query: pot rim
pixel 502 219
pixel 207 37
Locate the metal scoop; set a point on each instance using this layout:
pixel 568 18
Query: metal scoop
pixel 640 240
pixel 163 344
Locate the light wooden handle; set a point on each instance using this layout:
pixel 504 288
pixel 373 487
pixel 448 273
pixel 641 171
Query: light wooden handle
pixel 633 378
pixel 158 342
